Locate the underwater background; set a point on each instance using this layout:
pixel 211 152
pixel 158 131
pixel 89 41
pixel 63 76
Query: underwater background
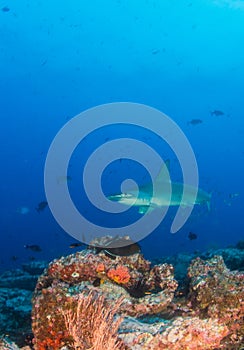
pixel 58 58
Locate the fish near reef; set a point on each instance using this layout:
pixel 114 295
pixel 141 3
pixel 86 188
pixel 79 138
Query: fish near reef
pixel 33 247
pixel 75 245
pixel 195 122
pixel 41 206
pixel 117 246
pixel 192 236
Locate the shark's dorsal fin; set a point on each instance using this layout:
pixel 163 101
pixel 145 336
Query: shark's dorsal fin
pixel 162 175
pixel 167 163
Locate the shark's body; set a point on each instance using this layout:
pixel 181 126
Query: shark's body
pixel 164 196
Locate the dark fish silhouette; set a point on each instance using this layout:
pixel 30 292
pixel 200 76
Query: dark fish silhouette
pixel 155 52
pixel 112 251
pixel 28 339
pixel 14 258
pixel 32 258
pixel 192 236
pixel 33 247
pixel 217 113
pixel 75 245
pixel 195 122
pixel 41 206
pixel 123 251
pixel 5 9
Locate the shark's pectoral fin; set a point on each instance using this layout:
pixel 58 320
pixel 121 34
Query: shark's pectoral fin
pixel 145 209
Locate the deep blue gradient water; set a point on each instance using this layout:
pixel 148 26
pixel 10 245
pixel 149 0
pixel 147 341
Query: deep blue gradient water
pixel 58 58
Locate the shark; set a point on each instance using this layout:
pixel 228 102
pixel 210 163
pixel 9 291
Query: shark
pixel 165 195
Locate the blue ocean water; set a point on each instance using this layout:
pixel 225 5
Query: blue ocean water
pixel 59 58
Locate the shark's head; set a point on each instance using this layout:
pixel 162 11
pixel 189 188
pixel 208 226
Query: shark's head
pixel 123 198
pixel 130 198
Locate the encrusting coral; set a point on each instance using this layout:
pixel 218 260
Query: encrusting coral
pixel 217 292
pixel 145 290
pixel 190 333
pixel 89 300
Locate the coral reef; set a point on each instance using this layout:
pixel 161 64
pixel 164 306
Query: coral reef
pixel 18 279
pixel 95 300
pixel 119 275
pixel 217 292
pixel 6 344
pixel 16 288
pixel 240 245
pixel 208 316
pixel 15 304
pixel 189 333
pixel 233 257
pixel 145 290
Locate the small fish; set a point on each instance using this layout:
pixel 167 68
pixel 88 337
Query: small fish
pixel 41 206
pixel 195 122
pixel 192 236
pixel 116 246
pixel 14 258
pixel 33 247
pixel 28 339
pixel 44 63
pixel 5 9
pixel 32 258
pixel 97 282
pixel 75 245
pixel 233 195
pixel 155 51
pixel 217 113
pixel 23 210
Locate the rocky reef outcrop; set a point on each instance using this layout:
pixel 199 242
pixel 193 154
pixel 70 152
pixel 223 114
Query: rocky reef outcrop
pixel 95 300
pixel 152 312
pixel 145 290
